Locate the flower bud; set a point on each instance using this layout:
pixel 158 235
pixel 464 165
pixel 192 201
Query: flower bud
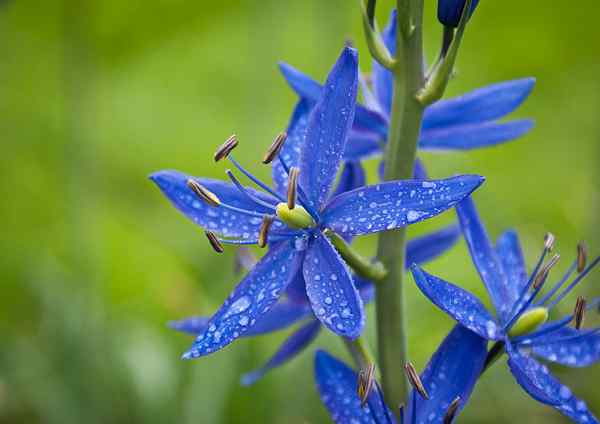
pixel 449 11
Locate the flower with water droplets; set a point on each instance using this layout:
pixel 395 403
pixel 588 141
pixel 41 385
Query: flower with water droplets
pixel 289 312
pixel 520 324
pixel 296 239
pixel 448 381
pixel 465 122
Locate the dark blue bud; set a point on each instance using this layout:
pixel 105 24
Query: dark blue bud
pixel 449 11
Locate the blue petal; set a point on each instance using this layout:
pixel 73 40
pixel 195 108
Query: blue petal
pixel 328 126
pixel 481 105
pixel 383 80
pixel 309 89
pixel 536 380
pixel 361 145
pixel 254 297
pixel 337 385
pixel 353 176
pixel 450 11
pixel 577 352
pixel 193 325
pixel 282 315
pixel 217 219
pixel 395 204
pixel 296 290
pixel 485 259
pixel 452 372
pixel 366 289
pixel 428 247
pixel 290 152
pixel 458 303
pixel 473 136
pixel 331 290
pixel 508 250
pixel 292 346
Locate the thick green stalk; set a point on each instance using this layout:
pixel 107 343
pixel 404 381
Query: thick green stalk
pixel 405 124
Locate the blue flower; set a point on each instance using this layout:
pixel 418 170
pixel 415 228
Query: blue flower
pixel 289 312
pixel 520 320
pixel 451 373
pixel 449 11
pixel 296 239
pixel 466 122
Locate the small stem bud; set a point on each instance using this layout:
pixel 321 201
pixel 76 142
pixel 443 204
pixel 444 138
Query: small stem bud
pixel 292 187
pixel 214 241
pixel 274 149
pixel 225 149
pixel 452 410
pixel 263 233
pixel 579 312
pixel 581 256
pixel 366 379
pixel 415 380
pixel 203 193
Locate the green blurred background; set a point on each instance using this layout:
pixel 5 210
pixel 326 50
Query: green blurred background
pixel 97 94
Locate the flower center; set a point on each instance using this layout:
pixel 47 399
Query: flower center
pixel 529 321
pixel 294 218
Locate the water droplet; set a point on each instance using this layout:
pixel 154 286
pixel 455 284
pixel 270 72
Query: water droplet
pixel 328 300
pixel 239 306
pixel 565 392
pixel 244 320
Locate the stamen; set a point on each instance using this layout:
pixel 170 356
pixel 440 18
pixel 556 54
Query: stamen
pixel 581 256
pixel 274 149
pixel 247 193
pixel 366 378
pixel 559 284
pixel 292 187
pixel 263 233
pixel 452 410
pixel 203 193
pixel 301 194
pixel 579 312
pixel 225 149
pixel 540 279
pixel 549 240
pixel 254 179
pixel 415 380
pixel 580 335
pixel 576 281
pixel 214 241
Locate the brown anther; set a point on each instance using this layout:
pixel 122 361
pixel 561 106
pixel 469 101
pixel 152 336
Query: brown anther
pixel 225 149
pixel 214 241
pixel 581 256
pixel 274 149
pixel 203 193
pixel 244 259
pixel 452 410
pixel 415 380
pixel 579 312
pixel 263 233
pixel 549 241
pixel 541 277
pixel 292 187
pixel 366 379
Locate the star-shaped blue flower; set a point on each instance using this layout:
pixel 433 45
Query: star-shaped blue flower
pixel 466 122
pixel 288 312
pixel 297 243
pixel 520 319
pixel 451 373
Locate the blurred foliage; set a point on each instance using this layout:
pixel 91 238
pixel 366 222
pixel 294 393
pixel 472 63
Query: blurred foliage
pixel 98 94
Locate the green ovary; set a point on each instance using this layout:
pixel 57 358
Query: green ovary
pixel 529 321
pixel 294 218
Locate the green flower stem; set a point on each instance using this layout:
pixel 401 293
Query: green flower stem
pixel 405 124
pixel 363 267
pixel 493 355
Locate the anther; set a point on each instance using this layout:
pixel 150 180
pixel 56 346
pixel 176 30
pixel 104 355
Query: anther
pixel 225 149
pixel 540 279
pixel 274 149
pixel 203 193
pixel 263 233
pixel 415 380
pixel 292 187
pixel 214 241
pixel 366 379
pixel 579 312
pixel 452 410
pixel 581 256
pixel 549 241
